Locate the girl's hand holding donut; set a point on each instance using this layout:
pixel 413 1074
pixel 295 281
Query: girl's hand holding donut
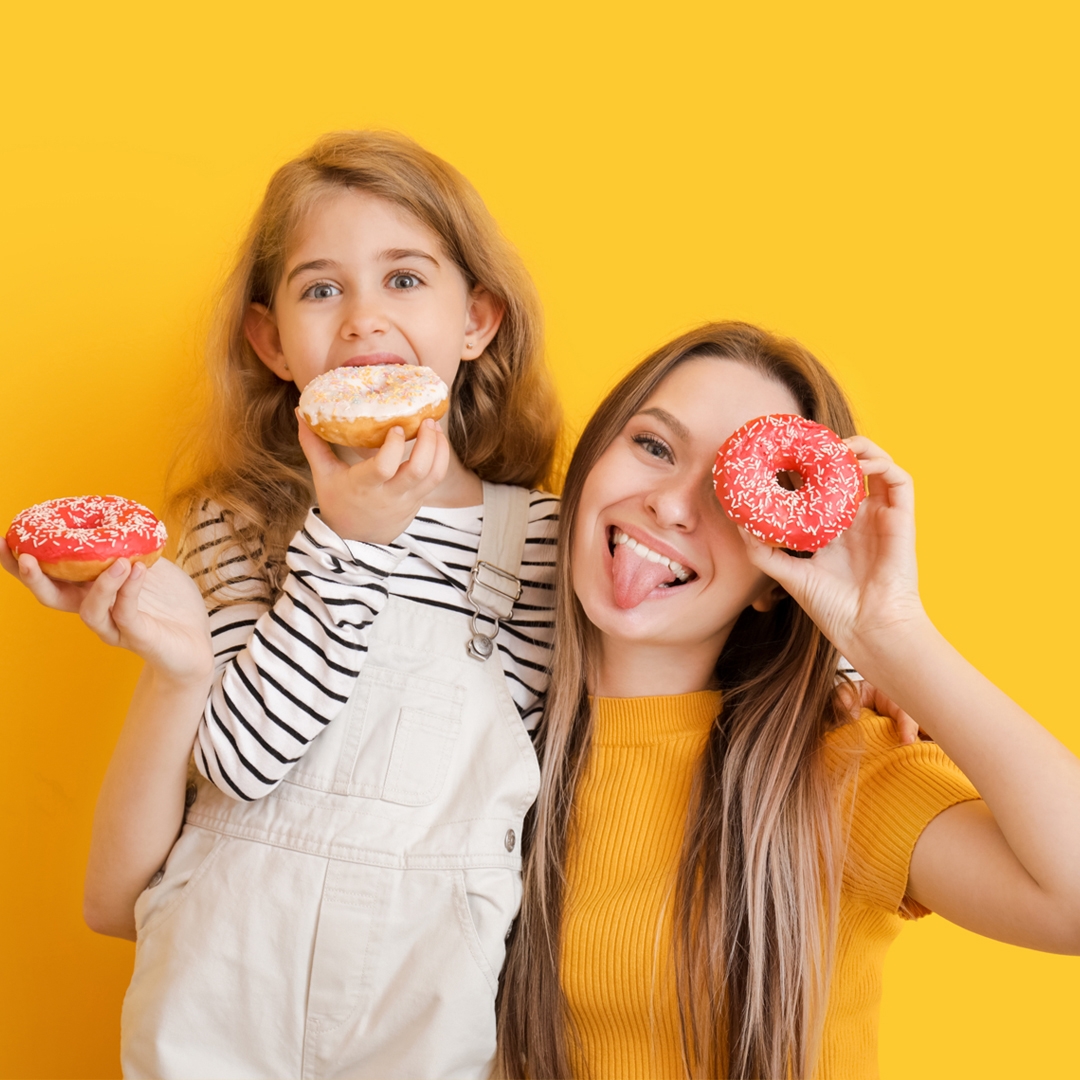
pixel 376 499
pixel 862 588
pixel 156 612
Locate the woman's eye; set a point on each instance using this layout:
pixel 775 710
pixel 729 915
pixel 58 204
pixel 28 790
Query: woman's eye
pixel 321 291
pixel 404 281
pixel 654 447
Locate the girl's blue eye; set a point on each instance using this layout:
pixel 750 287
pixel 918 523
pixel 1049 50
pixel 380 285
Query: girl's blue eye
pixel 654 446
pixel 322 291
pixel 404 281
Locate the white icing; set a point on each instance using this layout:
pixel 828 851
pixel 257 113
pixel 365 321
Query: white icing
pixel 376 392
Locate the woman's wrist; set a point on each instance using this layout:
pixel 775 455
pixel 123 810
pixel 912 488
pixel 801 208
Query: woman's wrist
pixel 886 652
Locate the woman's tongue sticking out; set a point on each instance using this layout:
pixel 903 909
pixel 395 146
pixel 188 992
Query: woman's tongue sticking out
pixel 635 576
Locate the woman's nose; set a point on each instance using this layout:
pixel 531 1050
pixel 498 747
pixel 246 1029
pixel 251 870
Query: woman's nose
pixel 675 502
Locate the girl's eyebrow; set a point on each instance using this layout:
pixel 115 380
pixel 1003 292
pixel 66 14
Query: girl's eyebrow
pixel 390 255
pixel 672 422
pixel 315 264
pixel 394 254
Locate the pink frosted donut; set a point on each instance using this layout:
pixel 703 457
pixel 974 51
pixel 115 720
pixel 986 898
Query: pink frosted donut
pixel 76 539
pixel 746 476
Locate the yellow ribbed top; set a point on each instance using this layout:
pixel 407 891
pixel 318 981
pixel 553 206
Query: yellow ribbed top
pixel 631 813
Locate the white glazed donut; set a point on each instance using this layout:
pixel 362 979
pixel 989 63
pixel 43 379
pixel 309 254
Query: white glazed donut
pixel 357 406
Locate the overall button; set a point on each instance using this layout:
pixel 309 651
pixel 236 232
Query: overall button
pixel 190 796
pixel 156 879
pixel 510 839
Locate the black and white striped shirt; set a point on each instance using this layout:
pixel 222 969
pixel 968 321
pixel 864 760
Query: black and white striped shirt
pixel 285 671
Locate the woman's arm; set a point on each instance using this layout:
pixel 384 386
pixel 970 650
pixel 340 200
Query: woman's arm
pixel 1008 867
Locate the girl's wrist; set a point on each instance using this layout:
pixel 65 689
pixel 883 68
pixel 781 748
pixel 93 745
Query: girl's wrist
pixel 195 678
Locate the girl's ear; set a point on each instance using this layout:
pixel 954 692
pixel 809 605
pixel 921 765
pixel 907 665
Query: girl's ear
pixel 260 328
pixel 769 597
pixel 485 315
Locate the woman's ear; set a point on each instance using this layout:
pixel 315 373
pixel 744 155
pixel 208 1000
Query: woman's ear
pixel 484 317
pixel 260 328
pixel 769 597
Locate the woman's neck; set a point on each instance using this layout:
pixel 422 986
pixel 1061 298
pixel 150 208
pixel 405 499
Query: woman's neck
pixel 632 669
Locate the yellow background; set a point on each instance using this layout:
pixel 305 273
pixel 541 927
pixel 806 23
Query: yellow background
pixel 894 184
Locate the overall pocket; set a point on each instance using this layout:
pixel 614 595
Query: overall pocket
pixel 191 858
pixel 403 739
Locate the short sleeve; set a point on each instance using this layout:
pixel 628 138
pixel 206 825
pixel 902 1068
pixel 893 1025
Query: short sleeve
pixel 898 791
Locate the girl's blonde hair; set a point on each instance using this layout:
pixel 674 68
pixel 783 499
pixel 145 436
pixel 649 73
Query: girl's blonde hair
pixel 504 418
pixel 758 881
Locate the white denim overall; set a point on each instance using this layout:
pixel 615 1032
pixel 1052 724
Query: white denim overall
pixel 353 922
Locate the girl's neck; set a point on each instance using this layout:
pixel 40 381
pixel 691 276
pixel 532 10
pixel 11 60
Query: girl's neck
pixel 629 669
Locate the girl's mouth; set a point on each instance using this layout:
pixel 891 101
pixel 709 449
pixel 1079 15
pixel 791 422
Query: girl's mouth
pixel 637 570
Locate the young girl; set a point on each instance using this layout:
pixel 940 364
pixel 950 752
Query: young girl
pixel 720 856
pixel 338 901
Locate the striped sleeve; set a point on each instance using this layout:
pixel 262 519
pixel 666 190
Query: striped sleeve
pixel 285 671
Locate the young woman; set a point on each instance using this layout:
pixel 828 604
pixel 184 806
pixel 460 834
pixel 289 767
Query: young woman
pixel 720 855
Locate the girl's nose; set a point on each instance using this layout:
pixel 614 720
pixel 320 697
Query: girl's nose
pixel 363 316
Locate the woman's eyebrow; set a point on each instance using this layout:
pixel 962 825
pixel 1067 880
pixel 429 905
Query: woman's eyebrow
pixel 672 422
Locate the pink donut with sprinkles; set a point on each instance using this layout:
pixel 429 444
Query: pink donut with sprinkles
pixel 747 478
pixel 76 539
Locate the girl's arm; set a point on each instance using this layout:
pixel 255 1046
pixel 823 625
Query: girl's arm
pixel 159 615
pixel 1009 866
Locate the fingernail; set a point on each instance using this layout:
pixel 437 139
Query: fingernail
pixel 117 568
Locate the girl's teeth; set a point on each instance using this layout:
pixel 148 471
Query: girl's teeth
pixel 680 571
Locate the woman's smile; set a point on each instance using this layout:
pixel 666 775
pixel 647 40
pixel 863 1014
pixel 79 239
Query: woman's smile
pixel 655 559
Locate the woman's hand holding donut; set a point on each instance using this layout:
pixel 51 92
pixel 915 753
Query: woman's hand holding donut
pixel 156 612
pixel 376 499
pixel 862 589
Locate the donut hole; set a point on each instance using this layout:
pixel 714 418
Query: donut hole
pixel 789 479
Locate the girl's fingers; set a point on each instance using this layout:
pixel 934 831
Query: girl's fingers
pixel 388 460
pixel 60 595
pixel 420 462
pixel 320 457
pixel 96 609
pixel 125 608
pixel 7 560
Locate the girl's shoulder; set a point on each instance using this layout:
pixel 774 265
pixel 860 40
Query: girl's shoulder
pixel 543 513
pixel 221 552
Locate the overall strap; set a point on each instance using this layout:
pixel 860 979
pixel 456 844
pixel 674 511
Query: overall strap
pixel 494 584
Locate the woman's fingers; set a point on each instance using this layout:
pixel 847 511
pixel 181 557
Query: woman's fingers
pixel 885 479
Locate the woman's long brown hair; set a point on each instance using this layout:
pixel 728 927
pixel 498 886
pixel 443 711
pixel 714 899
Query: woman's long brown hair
pixel 504 418
pixel 759 874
